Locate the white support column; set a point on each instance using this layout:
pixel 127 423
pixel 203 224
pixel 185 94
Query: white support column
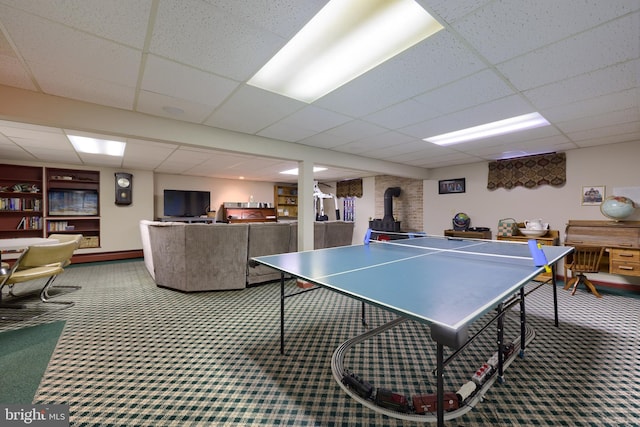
pixel 305 205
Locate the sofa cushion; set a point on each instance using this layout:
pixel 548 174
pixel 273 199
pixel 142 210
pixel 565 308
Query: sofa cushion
pixel 266 238
pixel 199 257
pixel 338 233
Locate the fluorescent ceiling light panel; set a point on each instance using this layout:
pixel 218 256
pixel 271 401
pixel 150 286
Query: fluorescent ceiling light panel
pixel 295 171
pixel 501 127
pixel 85 144
pixel 345 39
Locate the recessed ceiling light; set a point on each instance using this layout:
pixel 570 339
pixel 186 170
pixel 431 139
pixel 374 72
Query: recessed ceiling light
pixel 108 147
pixel 295 171
pixel 501 127
pixel 345 39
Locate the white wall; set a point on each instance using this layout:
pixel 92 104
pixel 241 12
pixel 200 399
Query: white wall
pixel 365 209
pixel 119 225
pixel 610 166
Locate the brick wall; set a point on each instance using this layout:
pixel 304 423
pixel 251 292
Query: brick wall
pixel 408 207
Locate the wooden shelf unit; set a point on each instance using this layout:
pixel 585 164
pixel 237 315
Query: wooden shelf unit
pixel 285 198
pixel 21 201
pixel 62 223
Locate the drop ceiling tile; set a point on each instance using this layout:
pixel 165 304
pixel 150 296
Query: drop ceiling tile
pixel 416 149
pixel 286 132
pixel 56 46
pixel 372 143
pixel 28 131
pixel 356 129
pixel 503 30
pixel 609 139
pixel 605 131
pixel 207 37
pixel 476 89
pixel 594 106
pixel 123 21
pixel 179 81
pixel 612 43
pixel 434 62
pixel 404 114
pixel 628 115
pixel 101 160
pixel 62 82
pixel 54 155
pixel 164 106
pixel 616 78
pixel 324 140
pixel 146 154
pixel 250 109
pixel 449 10
pixel 13 152
pixel 284 18
pixel 315 119
pixel 499 109
pixel 12 73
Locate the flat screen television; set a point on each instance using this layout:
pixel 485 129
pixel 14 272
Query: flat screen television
pixel 72 202
pixel 186 202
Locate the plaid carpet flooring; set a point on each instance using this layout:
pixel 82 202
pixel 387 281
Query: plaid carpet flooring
pixel 133 354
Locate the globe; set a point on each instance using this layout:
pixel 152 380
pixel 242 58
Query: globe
pixel 617 207
pixel 461 221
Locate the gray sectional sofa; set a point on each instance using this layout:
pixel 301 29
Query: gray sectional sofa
pixel 205 257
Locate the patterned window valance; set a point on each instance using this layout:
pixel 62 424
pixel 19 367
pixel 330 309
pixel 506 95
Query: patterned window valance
pixel 529 172
pixel 350 188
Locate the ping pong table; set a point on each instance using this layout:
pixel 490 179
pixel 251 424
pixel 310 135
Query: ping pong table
pixel 445 283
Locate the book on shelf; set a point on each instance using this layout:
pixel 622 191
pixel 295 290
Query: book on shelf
pixel 30 223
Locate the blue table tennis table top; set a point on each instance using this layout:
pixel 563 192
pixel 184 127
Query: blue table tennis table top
pixel 438 281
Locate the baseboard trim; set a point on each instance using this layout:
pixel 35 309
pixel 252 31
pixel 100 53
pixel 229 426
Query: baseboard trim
pixel 106 256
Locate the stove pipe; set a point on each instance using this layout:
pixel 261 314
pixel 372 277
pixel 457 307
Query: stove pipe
pixel 387 219
pixel 387 223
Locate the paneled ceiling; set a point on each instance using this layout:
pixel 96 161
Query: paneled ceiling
pixel 574 61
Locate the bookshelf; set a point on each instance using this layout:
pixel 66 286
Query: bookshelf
pixel 21 201
pixel 73 204
pixel 285 198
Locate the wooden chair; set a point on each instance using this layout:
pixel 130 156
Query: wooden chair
pixel 585 259
pixel 40 262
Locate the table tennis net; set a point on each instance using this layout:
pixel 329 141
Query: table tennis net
pixel 454 246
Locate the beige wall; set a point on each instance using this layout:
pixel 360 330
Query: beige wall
pixel 610 166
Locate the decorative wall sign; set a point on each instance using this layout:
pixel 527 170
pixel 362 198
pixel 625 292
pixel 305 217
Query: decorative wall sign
pixel 448 186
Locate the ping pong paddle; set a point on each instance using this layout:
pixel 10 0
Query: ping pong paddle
pixel 539 258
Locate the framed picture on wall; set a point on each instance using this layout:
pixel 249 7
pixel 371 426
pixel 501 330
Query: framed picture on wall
pixel 448 186
pixel 592 195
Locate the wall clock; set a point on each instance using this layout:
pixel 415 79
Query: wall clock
pixel 124 184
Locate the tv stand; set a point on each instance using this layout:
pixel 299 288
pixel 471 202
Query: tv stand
pixel 188 219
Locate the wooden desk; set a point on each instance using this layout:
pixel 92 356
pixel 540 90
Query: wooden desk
pixel 620 238
pixel 468 234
